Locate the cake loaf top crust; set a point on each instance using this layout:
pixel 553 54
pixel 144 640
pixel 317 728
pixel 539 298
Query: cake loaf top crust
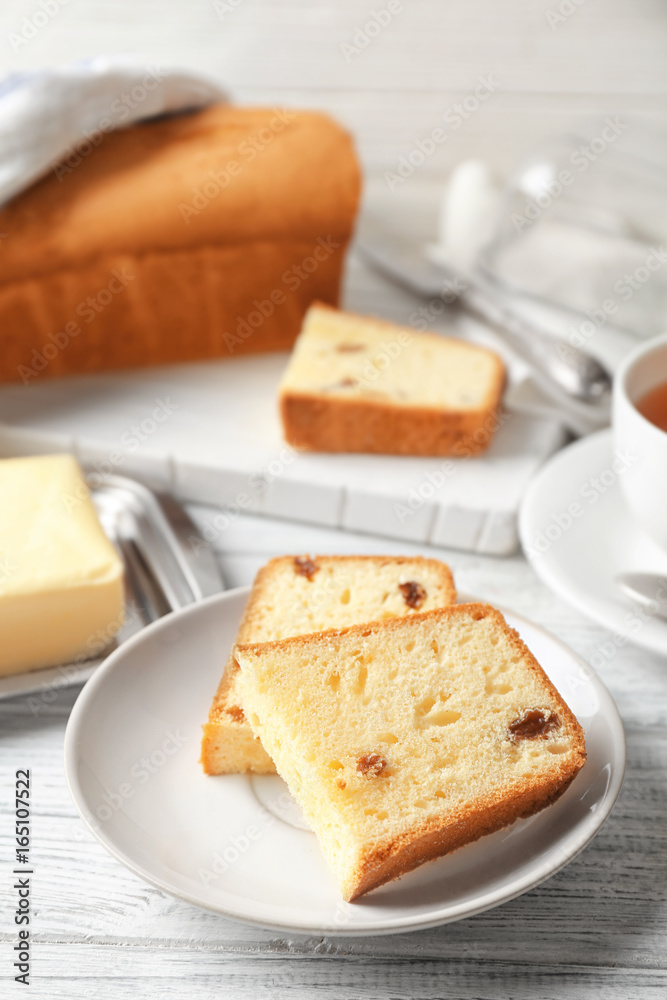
pixel 222 175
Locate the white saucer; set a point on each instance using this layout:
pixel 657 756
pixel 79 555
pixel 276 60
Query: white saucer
pixel 580 560
pixel 237 845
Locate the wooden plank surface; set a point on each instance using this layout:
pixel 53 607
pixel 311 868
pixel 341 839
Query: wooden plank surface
pixel 606 57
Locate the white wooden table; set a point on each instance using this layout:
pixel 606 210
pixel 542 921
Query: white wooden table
pixel 598 929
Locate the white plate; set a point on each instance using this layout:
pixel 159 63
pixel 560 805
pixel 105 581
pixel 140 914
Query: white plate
pixel 47 681
pixel 579 557
pixel 131 758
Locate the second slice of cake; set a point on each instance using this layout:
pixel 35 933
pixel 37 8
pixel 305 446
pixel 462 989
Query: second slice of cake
pixel 403 740
pixel 296 594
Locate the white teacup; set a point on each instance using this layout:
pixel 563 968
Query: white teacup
pixel 645 485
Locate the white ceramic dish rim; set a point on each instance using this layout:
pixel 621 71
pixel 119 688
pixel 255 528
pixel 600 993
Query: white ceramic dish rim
pixel 550 576
pixel 588 829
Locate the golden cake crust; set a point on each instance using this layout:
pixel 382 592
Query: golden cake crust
pixel 387 859
pixel 429 841
pixel 316 421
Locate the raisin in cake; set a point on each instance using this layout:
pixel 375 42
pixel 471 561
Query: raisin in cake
pixel 357 384
pixel 296 594
pixel 405 739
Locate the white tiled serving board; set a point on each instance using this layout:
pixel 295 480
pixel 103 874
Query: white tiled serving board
pixel 210 433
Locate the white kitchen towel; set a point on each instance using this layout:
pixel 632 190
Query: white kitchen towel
pixel 47 115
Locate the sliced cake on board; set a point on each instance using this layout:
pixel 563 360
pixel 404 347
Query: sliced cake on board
pixel 358 384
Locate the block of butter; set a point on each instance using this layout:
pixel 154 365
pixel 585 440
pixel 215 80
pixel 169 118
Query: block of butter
pixel 61 580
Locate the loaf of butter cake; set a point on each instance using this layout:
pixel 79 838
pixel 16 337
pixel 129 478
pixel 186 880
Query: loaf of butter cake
pixel 357 384
pixel 405 739
pixel 296 594
pixel 199 235
pixel 61 579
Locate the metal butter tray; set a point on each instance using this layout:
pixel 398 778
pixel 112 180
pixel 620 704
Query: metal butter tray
pixel 167 566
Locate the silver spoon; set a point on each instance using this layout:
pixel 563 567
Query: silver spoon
pixel 647 589
pixel 562 370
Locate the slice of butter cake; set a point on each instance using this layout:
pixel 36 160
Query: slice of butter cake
pixel 357 384
pixel 403 740
pixel 296 594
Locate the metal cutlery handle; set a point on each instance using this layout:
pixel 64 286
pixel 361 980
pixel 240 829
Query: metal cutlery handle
pixel 566 374
pixel 574 371
pixel 196 557
pixel 180 563
pixel 149 599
